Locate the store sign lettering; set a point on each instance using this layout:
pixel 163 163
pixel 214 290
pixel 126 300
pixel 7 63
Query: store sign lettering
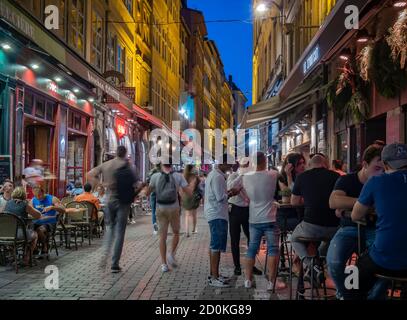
pixel 52 86
pixel 16 19
pixel 311 60
pixel 71 97
pixel 104 87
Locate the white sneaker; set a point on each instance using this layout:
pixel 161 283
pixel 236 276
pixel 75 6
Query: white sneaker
pixel 171 260
pixel 247 284
pixel 155 232
pixel 164 268
pixel 194 231
pixel 132 221
pixel 217 283
pixel 224 279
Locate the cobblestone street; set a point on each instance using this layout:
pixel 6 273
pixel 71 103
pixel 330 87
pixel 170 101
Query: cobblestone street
pixel 141 279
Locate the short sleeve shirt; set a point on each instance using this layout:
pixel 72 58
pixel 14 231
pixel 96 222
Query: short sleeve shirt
pixel 180 182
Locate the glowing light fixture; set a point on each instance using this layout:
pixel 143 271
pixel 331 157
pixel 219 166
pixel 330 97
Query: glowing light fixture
pixel 58 79
pixel 6 46
pixel 400 4
pixel 35 66
pixel 91 99
pixel 261 8
pixel 76 90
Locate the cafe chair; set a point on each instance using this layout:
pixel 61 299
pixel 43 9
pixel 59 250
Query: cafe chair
pixel 81 219
pixel 9 225
pixel 315 283
pixel 68 232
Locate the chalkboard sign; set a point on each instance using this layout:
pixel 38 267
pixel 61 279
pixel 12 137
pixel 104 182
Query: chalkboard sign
pixel 5 168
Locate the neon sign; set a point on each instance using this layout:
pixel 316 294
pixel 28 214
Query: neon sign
pixel 120 128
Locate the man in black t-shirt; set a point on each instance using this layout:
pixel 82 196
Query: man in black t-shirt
pixel 313 188
pixel 345 241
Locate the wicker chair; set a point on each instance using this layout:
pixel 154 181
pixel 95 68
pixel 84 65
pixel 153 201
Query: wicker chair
pixel 66 231
pixel 9 225
pixel 81 220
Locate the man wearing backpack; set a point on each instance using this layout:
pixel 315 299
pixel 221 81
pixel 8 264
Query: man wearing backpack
pixel 120 181
pixel 166 185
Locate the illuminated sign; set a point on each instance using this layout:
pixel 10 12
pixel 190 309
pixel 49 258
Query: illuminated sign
pixel 311 59
pixel 52 86
pixel 120 128
pixel 71 97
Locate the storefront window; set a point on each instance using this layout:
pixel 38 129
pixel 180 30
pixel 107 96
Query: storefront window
pixel 40 108
pixel 76 149
pixel 50 111
pixel 342 146
pixel 28 103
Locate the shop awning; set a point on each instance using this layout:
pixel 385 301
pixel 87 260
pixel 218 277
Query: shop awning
pixel 270 109
pixel 260 112
pixel 143 114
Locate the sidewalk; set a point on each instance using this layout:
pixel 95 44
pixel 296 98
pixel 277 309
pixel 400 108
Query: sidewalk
pixel 141 279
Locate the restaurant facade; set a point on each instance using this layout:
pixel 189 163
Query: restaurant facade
pixel 57 108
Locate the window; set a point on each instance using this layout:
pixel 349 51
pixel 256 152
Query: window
pixel 121 59
pixel 28 103
pixel 129 6
pixel 97 39
pixel 129 71
pixel 40 108
pixel 50 112
pixel 111 52
pixel 77 26
pixel 146 27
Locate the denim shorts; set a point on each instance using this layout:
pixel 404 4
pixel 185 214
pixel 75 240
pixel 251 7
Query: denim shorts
pixel 219 235
pixel 272 233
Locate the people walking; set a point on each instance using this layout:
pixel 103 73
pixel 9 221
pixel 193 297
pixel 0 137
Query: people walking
pixel 167 185
pixel 153 200
pixel 121 191
pixel 191 203
pixel 260 187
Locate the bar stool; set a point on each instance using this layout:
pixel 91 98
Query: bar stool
pixel 316 260
pixel 396 282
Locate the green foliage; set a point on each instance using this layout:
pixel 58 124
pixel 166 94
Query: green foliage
pixel 387 74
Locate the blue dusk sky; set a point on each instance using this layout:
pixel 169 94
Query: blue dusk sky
pixel 233 39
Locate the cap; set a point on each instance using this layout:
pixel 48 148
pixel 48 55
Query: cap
pixel 395 155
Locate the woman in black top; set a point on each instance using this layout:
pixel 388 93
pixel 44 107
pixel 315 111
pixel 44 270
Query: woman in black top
pixel 19 206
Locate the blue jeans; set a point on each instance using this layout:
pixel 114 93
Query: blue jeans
pixel 272 233
pixel 153 205
pixel 116 222
pixel 342 246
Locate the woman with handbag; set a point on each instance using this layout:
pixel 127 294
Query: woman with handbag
pixel 191 203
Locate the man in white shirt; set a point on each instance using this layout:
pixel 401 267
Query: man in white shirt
pixel 7 189
pixel 260 187
pixel 239 213
pixel 216 212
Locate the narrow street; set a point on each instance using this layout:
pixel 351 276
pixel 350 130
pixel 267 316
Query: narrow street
pixel 81 278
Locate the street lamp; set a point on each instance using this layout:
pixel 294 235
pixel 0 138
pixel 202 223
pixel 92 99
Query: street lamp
pixel 262 7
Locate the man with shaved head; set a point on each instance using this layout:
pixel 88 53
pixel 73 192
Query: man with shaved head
pixel 313 189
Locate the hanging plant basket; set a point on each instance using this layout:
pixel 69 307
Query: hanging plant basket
pixel 347 95
pixel 386 73
pixel 397 40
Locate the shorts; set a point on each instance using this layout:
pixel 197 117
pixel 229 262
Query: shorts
pixel 50 227
pixel 272 233
pixel 166 217
pixel 30 234
pixel 219 235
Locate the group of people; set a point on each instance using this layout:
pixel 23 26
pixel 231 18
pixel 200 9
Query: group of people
pixel 42 207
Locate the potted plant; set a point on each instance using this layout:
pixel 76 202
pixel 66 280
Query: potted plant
pixel 286 195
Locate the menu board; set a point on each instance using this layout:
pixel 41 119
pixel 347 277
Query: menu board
pixel 6 168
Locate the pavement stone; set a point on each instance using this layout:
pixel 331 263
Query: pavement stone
pixel 81 278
